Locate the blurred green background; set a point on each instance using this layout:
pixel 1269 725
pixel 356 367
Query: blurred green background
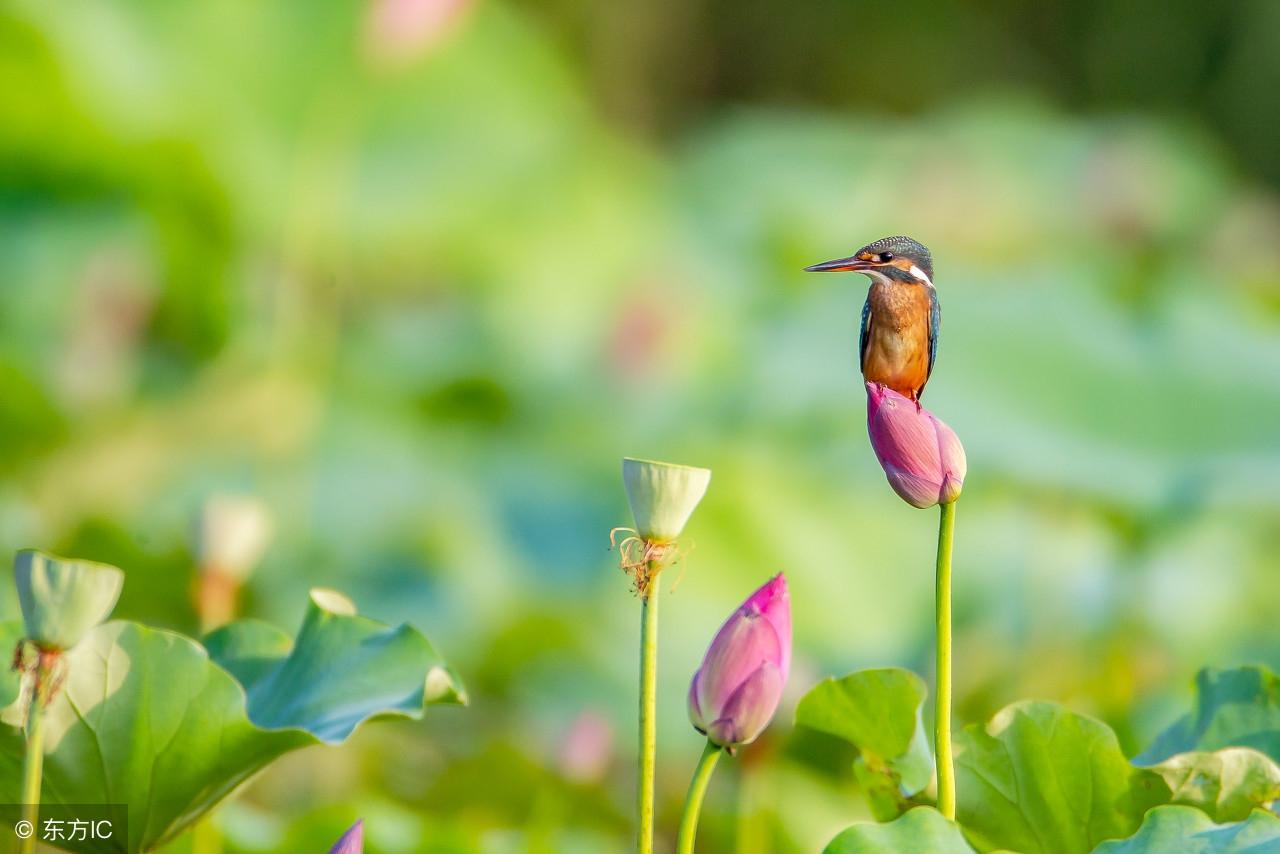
pixel 418 273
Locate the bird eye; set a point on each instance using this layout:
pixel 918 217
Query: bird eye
pixel 886 257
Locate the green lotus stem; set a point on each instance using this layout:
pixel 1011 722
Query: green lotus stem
pixel 693 801
pixel 942 715
pixel 648 704
pixel 33 763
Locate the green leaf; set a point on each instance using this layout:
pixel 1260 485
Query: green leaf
pixel 922 830
pixel 147 718
pixel 878 712
pixel 380 668
pixel 1187 830
pixel 1040 778
pixel 1233 708
pixel 1227 784
pixel 248 649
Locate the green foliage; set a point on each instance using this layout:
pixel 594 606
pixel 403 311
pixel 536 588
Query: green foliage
pixel 1227 784
pixel 151 719
pixel 879 712
pixel 1039 778
pixel 1233 708
pixel 921 829
pixel 338 657
pixel 1185 830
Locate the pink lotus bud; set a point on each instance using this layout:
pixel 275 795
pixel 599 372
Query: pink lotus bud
pixel 921 456
pixel 736 690
pixel 399 31
pixel 352 842
pixel 587 748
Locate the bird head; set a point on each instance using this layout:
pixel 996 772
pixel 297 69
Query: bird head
pixel 889 259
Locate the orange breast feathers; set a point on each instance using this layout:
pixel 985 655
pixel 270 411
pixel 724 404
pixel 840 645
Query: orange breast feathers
pixel 897 338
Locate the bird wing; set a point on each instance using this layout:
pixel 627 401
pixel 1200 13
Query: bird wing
pixel 864 334
pixel 935 320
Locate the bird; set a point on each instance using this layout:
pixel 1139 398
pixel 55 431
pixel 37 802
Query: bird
pixel 898 342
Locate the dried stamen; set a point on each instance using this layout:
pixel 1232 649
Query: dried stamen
pixel 643 559
pixel 43 672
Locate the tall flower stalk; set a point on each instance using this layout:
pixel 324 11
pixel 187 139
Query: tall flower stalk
pixel 925 464
pixel 693 801
pixel 942 625
pixel 42 671
pixel 231 533
pixel 735 692
pixel 648 714
pixel 61 602
pixel 662 497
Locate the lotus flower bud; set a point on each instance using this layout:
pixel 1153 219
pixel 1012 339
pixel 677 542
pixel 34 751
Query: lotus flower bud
pixel 736 690
pixel 586 749
pixel 63 599
pixel 352 842
pixel 921 456
pixel 662 496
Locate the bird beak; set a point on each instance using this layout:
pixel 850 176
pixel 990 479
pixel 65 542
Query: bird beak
pixel 840 264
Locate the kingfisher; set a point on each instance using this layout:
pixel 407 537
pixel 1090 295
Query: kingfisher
pixel 899 338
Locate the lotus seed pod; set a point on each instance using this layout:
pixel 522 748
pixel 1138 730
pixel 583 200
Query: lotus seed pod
pixel 232 534
pixel 662 496
pixel 62 600
pixel 922 457
pixel 735 692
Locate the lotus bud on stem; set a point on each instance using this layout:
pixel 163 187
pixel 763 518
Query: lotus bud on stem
pixel 61 601
pixel 921 456
pixel 662 497
pixel 925 463
pixel 736 691
pixel 231 535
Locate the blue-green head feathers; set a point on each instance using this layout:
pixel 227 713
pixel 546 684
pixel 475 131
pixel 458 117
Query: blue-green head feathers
pixel 902 247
